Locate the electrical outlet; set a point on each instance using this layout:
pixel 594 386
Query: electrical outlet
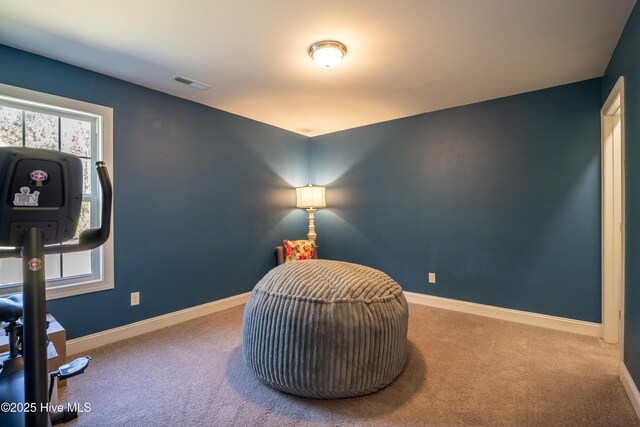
pixel 432 278
pixel 135 298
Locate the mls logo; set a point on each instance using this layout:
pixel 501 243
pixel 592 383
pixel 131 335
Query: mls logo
pixel 26 198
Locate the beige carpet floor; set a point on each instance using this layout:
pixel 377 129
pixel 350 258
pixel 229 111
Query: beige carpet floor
pixel 462 370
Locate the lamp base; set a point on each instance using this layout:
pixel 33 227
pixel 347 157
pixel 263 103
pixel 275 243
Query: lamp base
pixel 312 224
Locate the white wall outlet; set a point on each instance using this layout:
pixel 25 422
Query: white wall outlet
pixel 135 298
pixel 432 277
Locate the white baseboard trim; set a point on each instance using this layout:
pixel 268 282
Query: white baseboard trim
pixel 82 344
pixel 88 342
pixel 535 319
pixel 631 388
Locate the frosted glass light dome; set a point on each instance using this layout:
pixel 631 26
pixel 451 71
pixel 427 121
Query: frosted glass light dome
pixel 328 53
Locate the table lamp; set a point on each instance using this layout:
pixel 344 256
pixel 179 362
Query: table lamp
pixel 310 198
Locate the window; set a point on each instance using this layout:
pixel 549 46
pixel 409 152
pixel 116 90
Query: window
pixel 37 120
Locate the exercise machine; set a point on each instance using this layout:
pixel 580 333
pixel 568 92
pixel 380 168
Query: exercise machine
pixel 40 201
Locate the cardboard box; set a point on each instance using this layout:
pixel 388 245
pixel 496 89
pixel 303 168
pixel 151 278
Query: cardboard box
pixel 58 336
pixel 57 350
pixel 53 361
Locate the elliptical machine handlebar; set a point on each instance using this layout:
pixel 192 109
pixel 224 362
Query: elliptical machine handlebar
pixel 89 239
pixel 92 238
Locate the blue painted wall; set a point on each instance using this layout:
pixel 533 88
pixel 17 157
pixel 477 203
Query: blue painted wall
pixel 501 199
pixel 201 196
pixel 626 62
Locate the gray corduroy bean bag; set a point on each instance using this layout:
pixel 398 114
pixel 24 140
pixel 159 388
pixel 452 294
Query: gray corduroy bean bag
pixel 326 329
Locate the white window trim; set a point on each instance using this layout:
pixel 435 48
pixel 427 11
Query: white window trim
pixel 13 93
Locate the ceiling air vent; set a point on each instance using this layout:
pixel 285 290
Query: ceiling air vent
pixel 191 82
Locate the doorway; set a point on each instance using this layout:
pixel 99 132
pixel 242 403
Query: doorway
pixel 613 221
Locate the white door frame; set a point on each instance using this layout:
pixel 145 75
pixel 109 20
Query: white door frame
pixel 613 217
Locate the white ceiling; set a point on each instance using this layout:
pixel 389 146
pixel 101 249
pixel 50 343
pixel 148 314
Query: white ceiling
pixel 404 57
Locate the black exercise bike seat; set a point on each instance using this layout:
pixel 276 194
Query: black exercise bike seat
pixel 10 308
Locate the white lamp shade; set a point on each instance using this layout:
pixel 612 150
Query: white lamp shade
pixel 310 197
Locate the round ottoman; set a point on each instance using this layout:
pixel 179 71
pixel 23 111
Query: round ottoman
pixel 326 329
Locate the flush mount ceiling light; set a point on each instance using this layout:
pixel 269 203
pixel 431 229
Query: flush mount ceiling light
pixel 327 53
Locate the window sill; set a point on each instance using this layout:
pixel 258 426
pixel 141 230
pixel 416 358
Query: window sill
pixel 67 290
pixel 70 290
